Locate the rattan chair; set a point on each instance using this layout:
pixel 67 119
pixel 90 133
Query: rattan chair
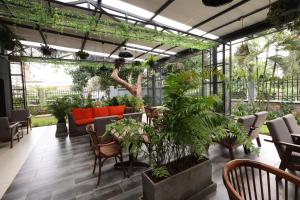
pixel 23 117
pixel 246 179
pixel 103 150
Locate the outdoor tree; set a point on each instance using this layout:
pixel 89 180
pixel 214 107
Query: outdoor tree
pixel 134 88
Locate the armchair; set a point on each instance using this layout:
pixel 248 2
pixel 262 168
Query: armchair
pixel 23 117
pixel 288 151
pixel 8 131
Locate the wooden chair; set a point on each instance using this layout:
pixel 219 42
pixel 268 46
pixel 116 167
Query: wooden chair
pixel 260 119
pixel 288 151
pixel 104 151
pixel 23 117
pixel 246 179
pixel 8 131
pixel 292 125
pixel 230 142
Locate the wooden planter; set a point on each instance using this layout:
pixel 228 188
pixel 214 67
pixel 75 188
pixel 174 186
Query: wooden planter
pixel 191 184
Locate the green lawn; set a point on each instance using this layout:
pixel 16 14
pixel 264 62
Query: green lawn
pixel 264 130
pixel 43 121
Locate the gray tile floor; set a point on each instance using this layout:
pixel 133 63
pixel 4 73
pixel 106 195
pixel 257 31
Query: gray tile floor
pixel 62 169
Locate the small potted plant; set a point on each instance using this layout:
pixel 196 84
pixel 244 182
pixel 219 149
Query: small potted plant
pixel 47 51
pixel 82 55
pixel 59 109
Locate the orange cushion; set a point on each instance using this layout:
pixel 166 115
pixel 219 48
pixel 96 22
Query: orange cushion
pixel 116 110
pixel 82 113
pixel 76 113
pixel 84 121
pixel 100 112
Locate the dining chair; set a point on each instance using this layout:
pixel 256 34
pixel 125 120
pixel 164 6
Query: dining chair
pixel 247 179
pixel 103 151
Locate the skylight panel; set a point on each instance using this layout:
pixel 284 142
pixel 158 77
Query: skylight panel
pixel 171 23
pixel 84 5
pixel 128 8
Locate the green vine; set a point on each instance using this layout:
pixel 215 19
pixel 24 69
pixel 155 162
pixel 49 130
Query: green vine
pixel 25 11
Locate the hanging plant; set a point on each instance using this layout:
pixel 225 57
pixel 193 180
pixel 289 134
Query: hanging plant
pixel 243 50
pixel 136 63
pixel 47 51
pixel 82 55
pixel 9 41
pixel 25 11
pixel 285 14
pixel 119 62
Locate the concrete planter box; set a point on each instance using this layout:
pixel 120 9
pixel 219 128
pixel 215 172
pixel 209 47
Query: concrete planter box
pixel 61 130
pixel 191 184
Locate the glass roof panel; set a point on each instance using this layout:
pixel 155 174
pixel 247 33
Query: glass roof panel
pixel 128 8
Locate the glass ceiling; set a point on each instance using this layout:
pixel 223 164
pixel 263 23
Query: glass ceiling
pixel 144 14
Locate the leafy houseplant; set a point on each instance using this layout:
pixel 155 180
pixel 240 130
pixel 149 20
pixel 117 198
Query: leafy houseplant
pixel 60 108
pixel 82 55
pixel 131 101
pixel 8 40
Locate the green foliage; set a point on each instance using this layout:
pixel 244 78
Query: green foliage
pixel 43 121
pixel 130 131
pixel 242 108
pixel 60 108
pixel 161 172
pixel 24 11
pixel 9 40
pixel 148 100
pixel 38 110
pixel 131 101
pixel 285 14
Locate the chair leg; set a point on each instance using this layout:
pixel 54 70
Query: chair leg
pixel 99 175
pixel 95 163
pixel 27 129
pixel 231 153
pixel 18 136
pixel 258 142
pixel 116 161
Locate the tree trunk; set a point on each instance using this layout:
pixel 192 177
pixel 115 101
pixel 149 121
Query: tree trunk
pixel 135 90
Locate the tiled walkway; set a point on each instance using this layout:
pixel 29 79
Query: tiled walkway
pixel 62 169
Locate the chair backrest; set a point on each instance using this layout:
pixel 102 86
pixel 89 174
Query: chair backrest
pixel 260 119
pixel 90 129
pixel 19 115
pixel 247 122
pixel 280 133
pixel 247 179
pixel 4 128
pixel 291 123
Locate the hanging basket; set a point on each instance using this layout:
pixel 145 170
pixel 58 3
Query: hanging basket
pixel 82 55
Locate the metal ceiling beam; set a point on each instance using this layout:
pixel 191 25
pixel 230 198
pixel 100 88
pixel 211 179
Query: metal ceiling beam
pixel 219 14
pixel 249 30
pixel 87 33
pixel 162 8
pixel 117 48
pixel 238 19
pixel 136 18
pixel 70 35
pixel 77 2
pixel 159 45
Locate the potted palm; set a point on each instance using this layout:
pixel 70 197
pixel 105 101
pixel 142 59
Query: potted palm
pixel 179 140
pixel 59 109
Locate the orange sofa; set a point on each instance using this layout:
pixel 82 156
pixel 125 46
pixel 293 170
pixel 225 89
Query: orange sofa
pixel 78 118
